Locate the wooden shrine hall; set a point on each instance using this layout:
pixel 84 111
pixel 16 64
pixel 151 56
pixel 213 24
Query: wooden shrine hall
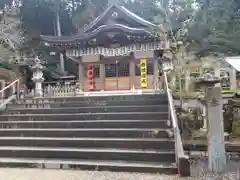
pixel 117 51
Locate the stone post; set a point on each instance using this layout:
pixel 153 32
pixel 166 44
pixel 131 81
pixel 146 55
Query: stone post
pixel 156 75
pixel 38 76
pixel 204 128
pixel 132 73
pixel 217 73
pixel 233 79
pixel 187 80
pixel 213 103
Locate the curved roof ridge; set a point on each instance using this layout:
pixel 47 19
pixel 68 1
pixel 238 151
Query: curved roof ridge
pixel 120 25
pixel 84 36
pixel 125 11
pixel 137 16
pixel 95 21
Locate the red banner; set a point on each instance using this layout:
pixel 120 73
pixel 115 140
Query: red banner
pixel 90 75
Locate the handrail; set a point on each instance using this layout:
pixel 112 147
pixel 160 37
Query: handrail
pixel 8 86
pixel 181 158
pixel 15 90
pixel 9 99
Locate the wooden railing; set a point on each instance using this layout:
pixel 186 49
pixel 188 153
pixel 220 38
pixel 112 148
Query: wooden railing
pixel 182 160
pixel 10 92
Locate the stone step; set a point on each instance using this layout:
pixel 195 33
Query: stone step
pixel 86 124
pixel 99 109
pixel 119 166
pixel 49 103
pixel 117 132
pixel 104 98
pixel 87 116
pixel 87 153
pixel 64 142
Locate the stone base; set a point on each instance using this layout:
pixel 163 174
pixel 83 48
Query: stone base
pixel 184 169
pixel 113 93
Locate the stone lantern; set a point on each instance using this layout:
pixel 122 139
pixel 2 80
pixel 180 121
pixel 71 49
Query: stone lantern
pixel 37 76
pixel 166 64
pixel 215 127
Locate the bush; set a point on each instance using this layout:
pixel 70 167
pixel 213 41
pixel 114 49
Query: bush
pixel 189 120
pixel 236 128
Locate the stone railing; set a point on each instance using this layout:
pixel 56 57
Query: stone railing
pixel 182 160
pixel 60 90
pixel 192 88
pixel 54 89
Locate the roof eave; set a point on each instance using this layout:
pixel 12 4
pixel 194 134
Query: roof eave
pixel 93 34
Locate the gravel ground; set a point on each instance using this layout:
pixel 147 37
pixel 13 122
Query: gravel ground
pixel 199 172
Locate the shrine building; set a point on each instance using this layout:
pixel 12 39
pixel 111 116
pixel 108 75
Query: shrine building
pixel 117 51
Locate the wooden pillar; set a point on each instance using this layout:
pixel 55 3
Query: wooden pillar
pixel 2 87
pixel 132 73
pixel 81 75
pixel 13 89
pixel 102 76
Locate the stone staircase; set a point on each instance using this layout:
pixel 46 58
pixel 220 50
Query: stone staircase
pixel 119 133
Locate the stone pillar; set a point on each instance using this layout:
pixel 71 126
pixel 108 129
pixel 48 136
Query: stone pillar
pixel 156 75
pixel 187 80
pixel 213 103
pixel 233 79
pixel 204 128
pixel 217 72
pixel 81 75
pixel 216 144
pixel 132 73
pixel 102 76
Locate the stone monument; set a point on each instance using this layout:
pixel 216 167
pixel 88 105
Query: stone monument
pixel 215 127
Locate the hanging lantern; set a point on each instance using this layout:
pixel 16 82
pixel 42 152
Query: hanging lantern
pixel 90 75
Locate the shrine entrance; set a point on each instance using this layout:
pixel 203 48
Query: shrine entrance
pixel 117 76
pixel 119 56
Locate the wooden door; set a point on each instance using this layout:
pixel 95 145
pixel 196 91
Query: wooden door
pixel 117 76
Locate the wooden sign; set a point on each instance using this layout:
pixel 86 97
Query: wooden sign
pixel 143 69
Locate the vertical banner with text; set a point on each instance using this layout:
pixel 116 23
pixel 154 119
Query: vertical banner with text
pixel 90 75
pixel 143 70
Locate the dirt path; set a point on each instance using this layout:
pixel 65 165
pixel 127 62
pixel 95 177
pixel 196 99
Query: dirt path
pixel 199 172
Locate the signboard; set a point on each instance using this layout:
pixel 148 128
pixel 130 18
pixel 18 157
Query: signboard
pixel 143 70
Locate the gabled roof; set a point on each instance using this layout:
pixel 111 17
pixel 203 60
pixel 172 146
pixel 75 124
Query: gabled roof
pixel 140 27
pixel 125 11
pixel 234 62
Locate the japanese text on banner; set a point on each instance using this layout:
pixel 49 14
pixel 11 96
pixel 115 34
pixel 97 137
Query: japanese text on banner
pixel 143 69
